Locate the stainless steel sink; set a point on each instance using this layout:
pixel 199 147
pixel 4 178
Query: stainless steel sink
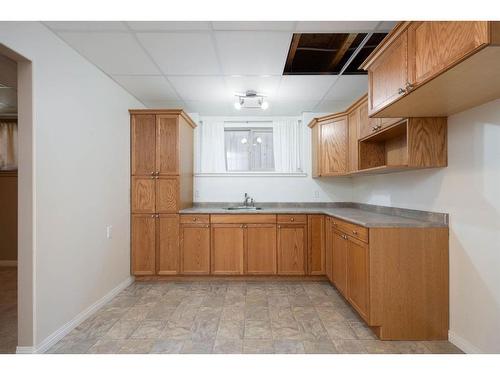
pixel 243 208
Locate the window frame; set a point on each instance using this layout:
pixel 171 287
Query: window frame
pixel 251 130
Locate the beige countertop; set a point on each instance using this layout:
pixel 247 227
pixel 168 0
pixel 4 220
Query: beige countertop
pixel 361 216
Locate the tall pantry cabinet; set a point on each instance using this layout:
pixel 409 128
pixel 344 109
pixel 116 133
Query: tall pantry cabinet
pixel 161 185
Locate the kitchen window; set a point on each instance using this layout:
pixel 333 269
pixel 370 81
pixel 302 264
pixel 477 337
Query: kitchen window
pixel 249 149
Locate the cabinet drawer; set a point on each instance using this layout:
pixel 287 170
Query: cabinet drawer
pixel 243 219
pixel 353 230
pixel 195 219
pixel 286 219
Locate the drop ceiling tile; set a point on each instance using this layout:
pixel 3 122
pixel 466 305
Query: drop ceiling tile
pixel 86 25
pixel 291 107
pixel 147 88
pixel 333 106
pixel 201 88
pixel 266 85
pixel 182 53
pixel 304 88
pixel 209 108
pixel 168 25
pixel 252 52
pixel 336 26
pixel 349 87
pixel 164 104
pixel 115 53
pixel 254 25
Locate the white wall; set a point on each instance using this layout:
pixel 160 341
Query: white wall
pixel 469 190
pixel 275 188
pixel 81 176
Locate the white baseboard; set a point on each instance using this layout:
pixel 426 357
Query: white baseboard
pixel 463 344
pixel 73 323
pixel 8 263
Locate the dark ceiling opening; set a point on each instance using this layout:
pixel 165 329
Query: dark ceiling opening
pixel 315 54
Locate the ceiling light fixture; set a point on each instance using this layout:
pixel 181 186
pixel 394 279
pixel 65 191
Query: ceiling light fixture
pixel 250 100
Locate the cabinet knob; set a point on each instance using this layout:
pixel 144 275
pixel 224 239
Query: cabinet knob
pixel 157 177
pixel 195 218
pixel 241 226
pixel 152 215
pixel 245 226
pixel 157 215
pixel 152 173
pixel 157 173
pixel 354 232
pixel 408 86
pixel 279 226
pixel 207 225
pixel 152 177
pixel 292 219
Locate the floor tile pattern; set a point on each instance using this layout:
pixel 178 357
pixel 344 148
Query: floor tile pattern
pixel 232 317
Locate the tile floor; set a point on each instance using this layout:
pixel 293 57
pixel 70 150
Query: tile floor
pixel 8 309
pixel 231 317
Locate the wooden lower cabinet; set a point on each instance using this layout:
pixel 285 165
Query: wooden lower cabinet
pixel 292 245
pixel 316 244
pixel 227 249
pixel 143 243
pixel 339 261
pixel 167 244
pixel 328 248
pixel 260 249
pixel 195 249
pixel 358 276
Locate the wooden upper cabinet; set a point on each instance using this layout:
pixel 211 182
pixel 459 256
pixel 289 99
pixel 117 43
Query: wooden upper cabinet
pixel 358 276
pixel 195 249
pixel 434 46
pixel 143 194
pixel 334 146
pixel 339 262
pixel 143 244
pixel 434 68
pixel 292 245
pixel 260 249
pixel 227 249
pixel 388 75
pixel 168 245
pixel 167 144
pixel 316 244
pixel 353 120
pixel 366 124
pixel 143 138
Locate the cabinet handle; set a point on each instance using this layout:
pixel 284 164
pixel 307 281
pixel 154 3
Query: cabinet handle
pixel 241 226
pixel 354 232
pixel 153 216
pixel 374 128
pixel 152 173
pixel 152 177
pixel 245 226
pixel 157 177
pixel 401 91
pixel 157 173
pixel 408 86
pixel 379 127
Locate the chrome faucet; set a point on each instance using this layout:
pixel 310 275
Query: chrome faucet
pixel 248 201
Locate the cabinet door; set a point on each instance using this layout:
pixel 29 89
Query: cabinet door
pixel 143 194
pixel 437 45
pixel 143 244
pixel 143 139
pixel 334 145
pixel 260 249
pixel 339 262
pixel 357 276
pixel 167 194
pixel 227 249
pixel 167 145
pixel 353 121
pixel 388 74
pixel 195 249
pixel 366 124
pixel 328 248
pixel 292 244
pixel 168 245
pixel 316 244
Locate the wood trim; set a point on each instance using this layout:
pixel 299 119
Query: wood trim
pixel 279 278
pixel 243 219
pixel 293 49
pixel 335 115
pixel 8 173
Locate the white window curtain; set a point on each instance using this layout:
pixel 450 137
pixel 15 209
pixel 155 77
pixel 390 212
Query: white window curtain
pixel 212 157
pixel 8 145
pixel 286 143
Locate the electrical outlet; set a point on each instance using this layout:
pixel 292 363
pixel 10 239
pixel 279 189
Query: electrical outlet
pixel 316 194
pixel 109 229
